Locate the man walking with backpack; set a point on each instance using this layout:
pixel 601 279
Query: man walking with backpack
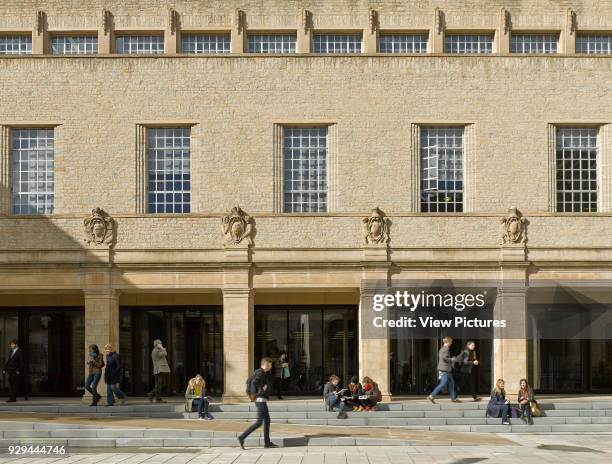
pixel 258 388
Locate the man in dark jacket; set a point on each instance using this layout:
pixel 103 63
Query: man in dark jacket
pixel 112 376
pixel 445 372
pixel 465 362
pixel 260 386
pixel 14 369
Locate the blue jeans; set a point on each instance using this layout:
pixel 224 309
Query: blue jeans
pixel 113 388
pixel 202 407
pixel 444 379
pixel 91 384
pixel 335 400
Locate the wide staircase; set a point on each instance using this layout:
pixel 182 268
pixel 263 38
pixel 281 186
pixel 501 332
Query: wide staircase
pixel 307 423
pixel 557 417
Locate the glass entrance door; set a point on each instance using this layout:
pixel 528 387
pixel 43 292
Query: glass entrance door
pixel 52 340
pixel 192 336
pixel 320 341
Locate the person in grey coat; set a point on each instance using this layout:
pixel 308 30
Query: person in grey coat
pixel 445 372
pixel 161 369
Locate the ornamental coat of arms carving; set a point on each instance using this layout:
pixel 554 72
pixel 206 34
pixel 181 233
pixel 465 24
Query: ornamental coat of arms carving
pixel 513 228
pixel 237 226
pixel 99 228
pixel 376 227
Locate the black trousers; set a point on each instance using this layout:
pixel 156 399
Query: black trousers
pixel 13 380
pixel 263 417
pixel 525 409
pixel 466 379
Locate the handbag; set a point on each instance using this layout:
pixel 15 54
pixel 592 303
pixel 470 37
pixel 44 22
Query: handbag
pixel 535 408
pixel 515 413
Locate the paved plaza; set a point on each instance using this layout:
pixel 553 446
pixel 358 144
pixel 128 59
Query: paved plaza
pixel 568 449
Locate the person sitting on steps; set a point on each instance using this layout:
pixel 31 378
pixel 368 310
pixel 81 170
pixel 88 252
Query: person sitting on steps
pixel 498 404
pixel 333 396
pixel 355 390
pixel 371 393
pixel 195 395
pixel 525 397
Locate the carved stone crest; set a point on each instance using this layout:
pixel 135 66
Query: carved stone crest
pixel 238 226
pixel 376 227
pixel 513 228
pixel 99 228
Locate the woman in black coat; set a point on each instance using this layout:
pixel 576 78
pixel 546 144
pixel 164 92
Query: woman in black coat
pixel 112 376
pixel 498 404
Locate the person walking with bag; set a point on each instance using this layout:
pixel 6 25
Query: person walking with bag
pixel 14 369
pixel 95 363
pixel 465 362
pixel 445 372
pixel 258 388
pixel 161 369
pixel 112 376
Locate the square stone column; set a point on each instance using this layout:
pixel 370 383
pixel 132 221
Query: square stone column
pixel 238 322
pixel 238 342
pixel 101 327
pixel 510 343
pixel 374 354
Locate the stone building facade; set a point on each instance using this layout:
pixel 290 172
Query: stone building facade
pixel 131 264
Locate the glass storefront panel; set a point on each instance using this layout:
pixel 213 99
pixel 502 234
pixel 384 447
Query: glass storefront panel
pixel 413 365
pixel 192 336
pixel 9 330
pixel 53 343
pixel 319 341
pixel 571 364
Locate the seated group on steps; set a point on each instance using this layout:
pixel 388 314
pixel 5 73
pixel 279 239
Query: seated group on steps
pixel 499 406
pixel 359 396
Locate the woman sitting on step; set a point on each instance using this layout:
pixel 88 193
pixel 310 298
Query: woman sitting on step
pixel 195 396
pixel 525 398
pixel 371 394
pixel 498 404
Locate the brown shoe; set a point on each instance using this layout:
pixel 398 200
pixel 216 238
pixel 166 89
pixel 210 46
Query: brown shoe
pixel 431 398
pixel 456 401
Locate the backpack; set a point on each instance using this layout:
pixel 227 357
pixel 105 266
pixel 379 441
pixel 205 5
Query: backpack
pixel 249 387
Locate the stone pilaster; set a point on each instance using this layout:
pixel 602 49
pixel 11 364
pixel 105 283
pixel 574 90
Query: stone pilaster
pixel 238 323
pixel 374 354
pixel 172 32
pixel 370 34
pixel 5 166
pixel 105 33
pixel 238 32
pixel 304 28
pixel 503 32
pixel 40 38
pixel 436 39
pixel 101 327
pixel 568 38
